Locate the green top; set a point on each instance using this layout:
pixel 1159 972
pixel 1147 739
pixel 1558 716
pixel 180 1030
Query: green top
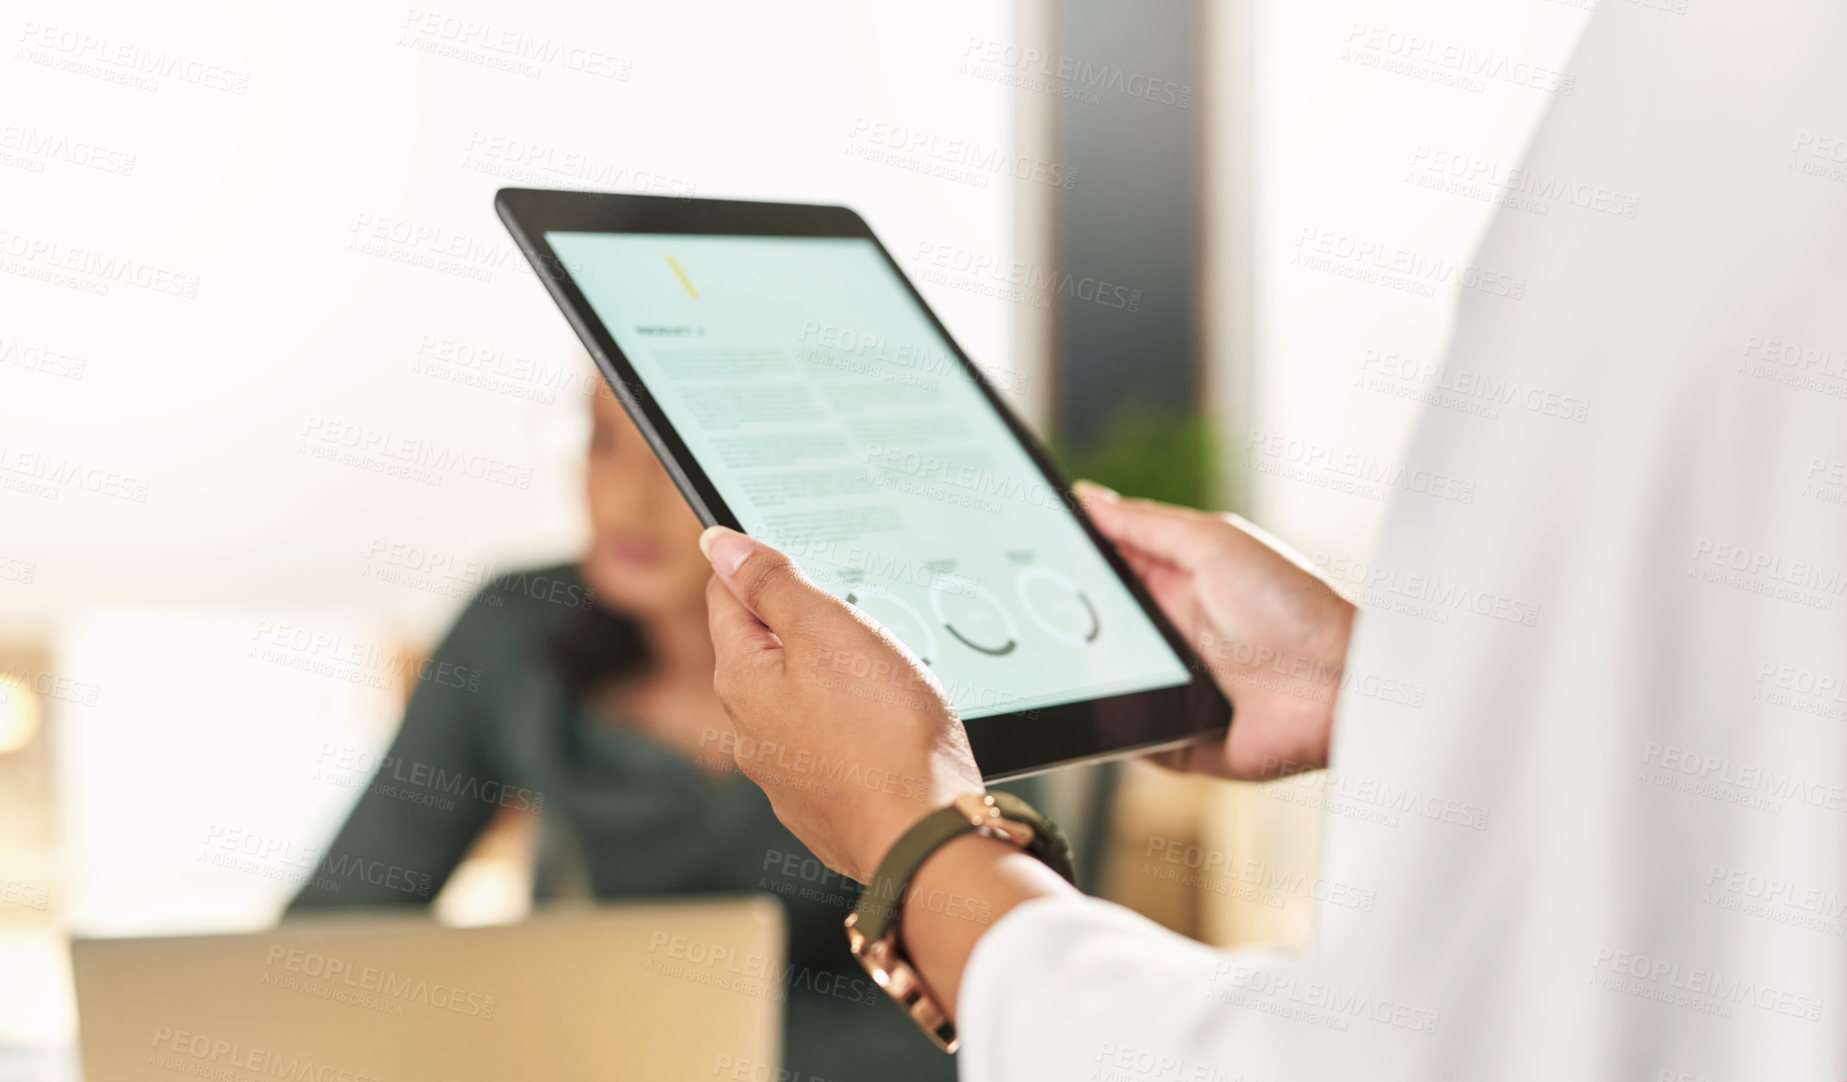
pixel 494 721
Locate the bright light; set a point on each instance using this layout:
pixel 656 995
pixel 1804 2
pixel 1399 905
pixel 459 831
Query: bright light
pixel 19 714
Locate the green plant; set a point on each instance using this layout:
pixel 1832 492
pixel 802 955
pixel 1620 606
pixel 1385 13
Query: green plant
pixel 1157 452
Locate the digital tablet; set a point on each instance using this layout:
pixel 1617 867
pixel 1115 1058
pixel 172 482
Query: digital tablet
pixel 797 388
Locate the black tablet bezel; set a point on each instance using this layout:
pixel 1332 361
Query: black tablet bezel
pixel 1005 745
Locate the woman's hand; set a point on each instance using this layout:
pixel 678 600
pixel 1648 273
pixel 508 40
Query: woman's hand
pixel 845 729
pixel 1273 633
pixel 854 740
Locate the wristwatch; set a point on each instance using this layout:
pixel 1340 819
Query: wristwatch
pixel 872 928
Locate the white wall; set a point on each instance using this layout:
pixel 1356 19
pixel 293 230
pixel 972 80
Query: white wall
pixel 1349 106
pixel 279 140
pixel 1326 123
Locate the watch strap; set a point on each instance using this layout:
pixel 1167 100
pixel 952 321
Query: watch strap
pixel 882 900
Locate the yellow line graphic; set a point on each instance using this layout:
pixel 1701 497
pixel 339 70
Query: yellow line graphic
pixel 680 273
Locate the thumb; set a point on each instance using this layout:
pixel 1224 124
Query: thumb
pixel 763 580
pixel 1175 535
pixel 739 640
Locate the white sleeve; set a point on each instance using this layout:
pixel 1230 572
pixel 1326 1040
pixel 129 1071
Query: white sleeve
pixel 1079 988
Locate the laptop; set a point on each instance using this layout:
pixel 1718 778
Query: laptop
pixel 675 990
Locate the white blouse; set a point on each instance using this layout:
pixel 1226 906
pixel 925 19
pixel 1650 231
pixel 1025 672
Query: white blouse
pixel 1612 844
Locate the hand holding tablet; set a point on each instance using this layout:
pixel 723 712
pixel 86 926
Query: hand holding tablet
pixel 902 825
pixel 850 762
pixel 787 653
pixel 1273 634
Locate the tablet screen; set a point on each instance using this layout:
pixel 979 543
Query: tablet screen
pixel 839 426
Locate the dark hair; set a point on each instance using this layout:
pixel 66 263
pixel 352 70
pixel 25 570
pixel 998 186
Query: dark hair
pixel 595 646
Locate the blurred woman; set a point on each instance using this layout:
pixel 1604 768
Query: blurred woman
pixel 584 692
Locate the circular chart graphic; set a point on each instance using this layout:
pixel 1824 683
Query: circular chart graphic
pixel 975 617
pixel 1058 606
pixel 899 616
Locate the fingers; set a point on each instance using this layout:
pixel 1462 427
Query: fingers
pixel 740 639
pixel 1175 535
pixel 767 582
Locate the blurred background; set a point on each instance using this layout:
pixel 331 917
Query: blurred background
pixel 1214 242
